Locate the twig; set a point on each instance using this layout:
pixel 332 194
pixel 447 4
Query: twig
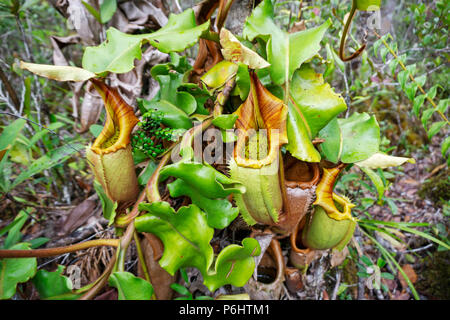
pixel 50 252
pixel 336 287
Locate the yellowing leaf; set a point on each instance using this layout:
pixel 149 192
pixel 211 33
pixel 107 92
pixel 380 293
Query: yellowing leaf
pixel 60 73
pixel 234 51
pixel 381 160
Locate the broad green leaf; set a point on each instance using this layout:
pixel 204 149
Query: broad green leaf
pixel 382 161
pixel 403 76
pixel 233 50
pixel 107 10
pixel 368 5
pixel 299 137
pixel 172 116
pixel 108 206
pixel 234 265
pixel 185 235
pixel 130 287
pixel 203 178
pixel 59 73
pixel 316 100
pixel 225 121
pixel 52 284
pixel 118 52
pixel 359 138
pixel 15 270
pixel 332 148
pixel 219 212
pixel 285 51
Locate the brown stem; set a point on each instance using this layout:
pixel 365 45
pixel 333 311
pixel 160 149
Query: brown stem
pixel 344 37
pixel 50 252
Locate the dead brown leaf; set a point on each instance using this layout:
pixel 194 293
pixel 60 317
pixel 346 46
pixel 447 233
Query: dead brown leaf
pixel 78 216
pixel 152 249
pixel 410 273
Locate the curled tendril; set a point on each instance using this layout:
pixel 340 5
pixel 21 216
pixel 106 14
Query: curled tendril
pixel 344 37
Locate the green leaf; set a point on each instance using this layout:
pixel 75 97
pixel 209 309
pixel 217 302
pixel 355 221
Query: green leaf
pixel 107 10
pixel 92 11
pixel 219 212
pixel 118 52
pixel 59 73
pixel 186 237
pixel 445 146
pixel 14 234
pixel 403 76
pixel 108 206
pixel 38 242
pixel 51 284
pixel 243 81
pixel 368 5
pixel 14 271
pixel 203 178
pixel 234 265
pixel 299 137
pixel 376 180
pixel 45 162
pixel 313 105
pixel 435 128
pixel 360 138
pixel 285 51
pixel 225 121
pixel 10 133
pixel 426 115
pixel 130 287
pixel 316 100
pixel 443 105
pixel 410 90
pixel 172 116
pixel 418 103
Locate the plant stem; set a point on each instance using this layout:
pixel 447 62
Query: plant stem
pixel 344 37
pixel 141 258
pixel 43 253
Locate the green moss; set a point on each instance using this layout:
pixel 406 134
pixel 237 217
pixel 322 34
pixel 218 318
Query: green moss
pixel 434 280
pixel 437 188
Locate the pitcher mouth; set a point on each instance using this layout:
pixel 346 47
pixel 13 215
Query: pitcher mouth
pixel 120 121
pixel 327 199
